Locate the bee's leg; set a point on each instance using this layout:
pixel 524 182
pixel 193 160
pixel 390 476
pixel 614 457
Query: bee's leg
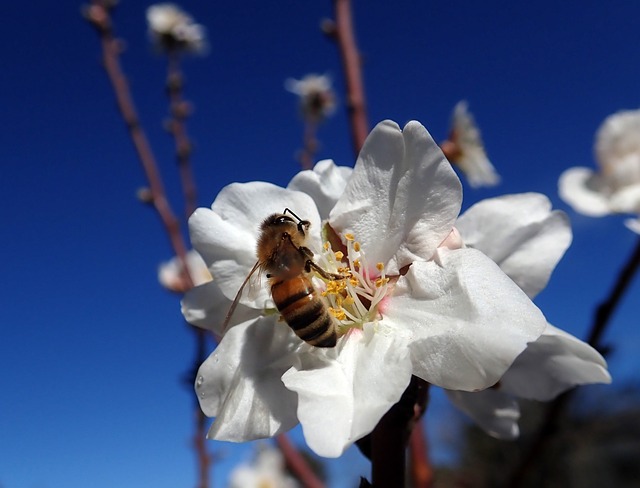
pixel 325 274
pixel 306 252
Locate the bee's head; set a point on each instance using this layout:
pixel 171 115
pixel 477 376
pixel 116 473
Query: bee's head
pixel 283 223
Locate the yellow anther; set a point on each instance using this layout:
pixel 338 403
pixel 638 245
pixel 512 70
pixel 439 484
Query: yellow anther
pixel 337 313
pixel 381 282
pixel 354 281
pixel 356 263
pixel 326 245
pixel 349 237
pixel 380 266
pixel 335 287
pixel 348 301
pixel 339 255
pixel 356 246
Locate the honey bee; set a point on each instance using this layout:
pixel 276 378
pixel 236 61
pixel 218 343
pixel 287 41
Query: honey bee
pixel 287 261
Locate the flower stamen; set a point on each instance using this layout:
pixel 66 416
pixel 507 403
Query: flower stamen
pixel 353 300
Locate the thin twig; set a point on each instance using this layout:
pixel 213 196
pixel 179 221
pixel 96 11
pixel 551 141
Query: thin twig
pixel 421 470
pixel 342 32
pixel 556 408
pixel 310 146
pixel 180 110
pixel 297 464
pixel 200 435
pixel 606 309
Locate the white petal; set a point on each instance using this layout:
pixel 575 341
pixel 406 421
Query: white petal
pixel 206 306
pixel 325 184
pixel 626 200
pixel 494 412
pixel 226 236
pixel 617 138
pixel 468 319
pixel 473 160
pixel 583 189
pixel 240 384
pixel 554 363
pixel 343 392
pixel 633 225
pixel 403 196
pixel 521 234
pixel 170 272
pixel 478 169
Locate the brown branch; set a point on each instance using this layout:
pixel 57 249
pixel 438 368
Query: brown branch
pixel 98 14
pixel 298 464
pixel 421 470
pixel 342 32
pixel 556 408
pixel 180 111
pixel 389 438
pixel 310 146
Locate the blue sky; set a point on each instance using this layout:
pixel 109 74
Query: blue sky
pixel 93 348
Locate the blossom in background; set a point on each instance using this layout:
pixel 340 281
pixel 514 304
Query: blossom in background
pixel 170 28
pixel 409 307
pixel 526 239
pixel 317 98
pixel 266 471
pixel 465 149
pixel 170 273
pixel 615 188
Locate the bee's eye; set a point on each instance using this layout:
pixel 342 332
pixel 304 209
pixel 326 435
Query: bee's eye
pixel 283 220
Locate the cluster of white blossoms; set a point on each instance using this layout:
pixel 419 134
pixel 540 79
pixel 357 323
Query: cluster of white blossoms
pixel 465 149
pixel 171 29
pixel 317 98
pixel 615 188
pixel 435 295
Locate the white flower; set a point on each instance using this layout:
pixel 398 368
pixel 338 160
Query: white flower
pixel 615 188
pixel 466 149
pixel 526 239
pixel 267 471
pixel 409 307
pixel 317 98
pixel 171 28
pixel 325 183
pixel 170 272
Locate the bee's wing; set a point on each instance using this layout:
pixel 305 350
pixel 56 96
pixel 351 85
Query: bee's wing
pixel 237 298
pixel 255 284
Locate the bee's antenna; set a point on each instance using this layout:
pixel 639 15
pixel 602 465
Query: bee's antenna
pixel 301 223
pixel 289 210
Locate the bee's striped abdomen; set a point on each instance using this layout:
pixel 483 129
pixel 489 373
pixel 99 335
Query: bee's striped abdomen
pixel 304 311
